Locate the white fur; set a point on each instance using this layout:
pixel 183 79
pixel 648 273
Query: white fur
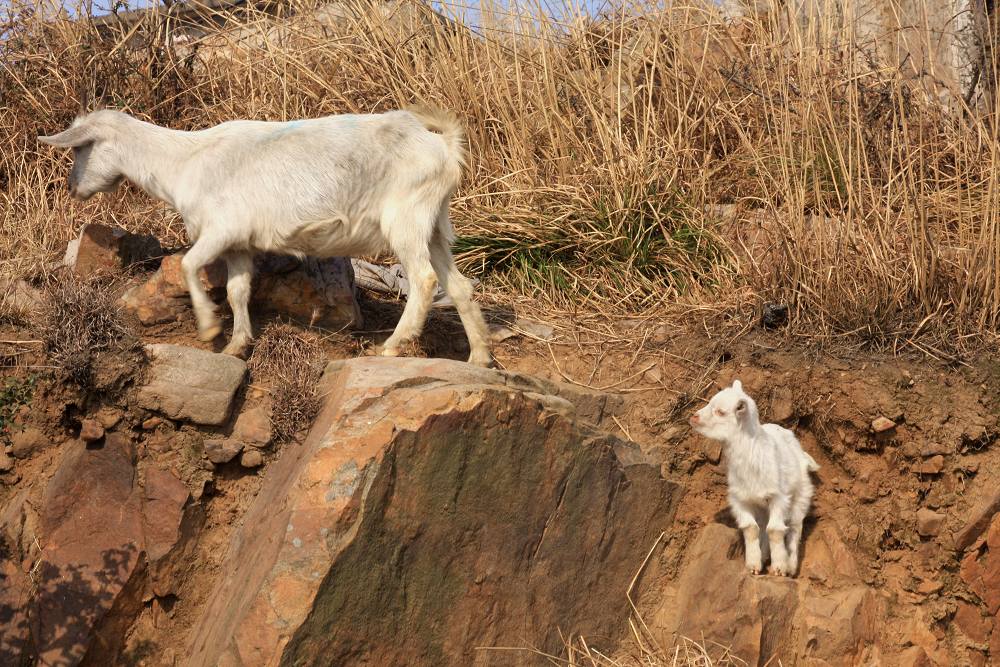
pixel 769 485
pixel 343 185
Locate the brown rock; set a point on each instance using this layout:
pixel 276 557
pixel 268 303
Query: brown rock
pixel 929 522
pixel 95 250
pixel 108 417
pixel 882 424
pixel 712 450
pixel 929 587
pixel 781 405
pixel 253 427
pixel 164 297
pixel 222 451
pixel 91 430
pixel 251 458
pixel 6 461
pixel 931 466
pixel 317 292
pixel 980 569
pixel 27 442
pixel 446 458
pixel 914 657
pixel 980 518
pixel 151 423
pixel 972 623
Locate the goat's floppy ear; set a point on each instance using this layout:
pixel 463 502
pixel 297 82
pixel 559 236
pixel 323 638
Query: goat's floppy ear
pixel 71 138
pixel 737 385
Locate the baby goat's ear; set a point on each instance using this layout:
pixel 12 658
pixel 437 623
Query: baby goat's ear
pixel 737 385
pixel 741 407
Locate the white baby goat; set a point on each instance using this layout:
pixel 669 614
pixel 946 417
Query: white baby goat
pixel 339 185
pixel 769 483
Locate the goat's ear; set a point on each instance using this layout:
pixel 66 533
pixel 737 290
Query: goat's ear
pixel 737 385
pixel 741 407
pixel 71 138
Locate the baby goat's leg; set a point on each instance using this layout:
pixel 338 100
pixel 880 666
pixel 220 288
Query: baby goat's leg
pixel 240 265
pixel 778 509
pixel 459 288
pixel 204 251
pixel 747 523
pixel 797 514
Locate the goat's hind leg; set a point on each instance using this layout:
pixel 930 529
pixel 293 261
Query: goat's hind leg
pixel 777 528
pixel 797 514
pixel 204 251
pixel 459 288
pixel 418 302
pixel 240 266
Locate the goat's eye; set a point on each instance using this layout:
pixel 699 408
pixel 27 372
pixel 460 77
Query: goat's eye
pixel 720 413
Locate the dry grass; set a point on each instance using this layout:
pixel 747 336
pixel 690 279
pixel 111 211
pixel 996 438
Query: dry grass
pixel 83 325
pixel 688 653
pixel 289 362
pixel 602 151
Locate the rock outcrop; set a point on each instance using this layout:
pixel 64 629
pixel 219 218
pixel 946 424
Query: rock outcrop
pixel 79 559
pixel 436 508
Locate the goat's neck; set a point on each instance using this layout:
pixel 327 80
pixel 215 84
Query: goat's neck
pixel 744 444
pixel 153 158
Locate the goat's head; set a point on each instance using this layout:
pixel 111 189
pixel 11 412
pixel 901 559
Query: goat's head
pixel 95 153
pixel 727 413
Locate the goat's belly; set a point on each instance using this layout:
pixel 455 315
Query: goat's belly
pixel 329 238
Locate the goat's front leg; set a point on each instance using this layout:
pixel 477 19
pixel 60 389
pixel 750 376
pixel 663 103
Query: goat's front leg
pixel 240 267
pixel 777 527
pixel 747 523
pixel 205 250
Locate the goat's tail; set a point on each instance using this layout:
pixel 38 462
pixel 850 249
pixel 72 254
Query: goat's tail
pixel 811 464
pixel 446 124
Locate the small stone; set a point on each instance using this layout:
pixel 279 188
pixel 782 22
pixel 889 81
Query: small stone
pixel 189 384
pixel 653 375
pixel 882 424
pixel 914 657
pixel 222 451
pixel 251 459
pixel 253 428
pixel 500 333
pixel 928 587
pixel 929 522
pixel 775 315
pixel 151 423
pixel 91 430
pixel 931 466
pixel 27 442
pixel 535 329
pixel 96 250
pixel 6 462
pixel 108 417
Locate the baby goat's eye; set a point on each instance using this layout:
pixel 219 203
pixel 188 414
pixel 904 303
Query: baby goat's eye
pixel 720 413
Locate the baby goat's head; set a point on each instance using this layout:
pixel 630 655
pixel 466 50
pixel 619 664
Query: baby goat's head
pixel 727 414
pixel 95 153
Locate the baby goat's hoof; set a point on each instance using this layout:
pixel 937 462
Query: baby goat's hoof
pixel 779 571
pixel 209 333
pixel 389 352
pixel 238 350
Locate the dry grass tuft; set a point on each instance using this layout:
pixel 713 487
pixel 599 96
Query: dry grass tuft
pixel 290 362
pixel 82 325
pixel 688 653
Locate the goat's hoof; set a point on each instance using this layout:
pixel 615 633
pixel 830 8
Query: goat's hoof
pixel 482 359
pixel 209 333
pixel 236 350
pixel 389 352
pixel 779 571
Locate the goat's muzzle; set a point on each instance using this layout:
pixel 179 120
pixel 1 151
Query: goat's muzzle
pixel 694 419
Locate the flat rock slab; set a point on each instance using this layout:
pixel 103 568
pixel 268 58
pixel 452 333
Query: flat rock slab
pixel 435 508
pixel 190 384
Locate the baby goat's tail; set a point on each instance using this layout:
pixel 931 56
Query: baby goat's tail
pixel 811 464
pixel 446 124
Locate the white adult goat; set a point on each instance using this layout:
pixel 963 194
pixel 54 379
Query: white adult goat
pixel 338 185
pixel 769 483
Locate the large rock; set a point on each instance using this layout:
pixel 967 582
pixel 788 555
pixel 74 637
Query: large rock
pixel 104 249
pixel 190 384
pixel 825 615
pixel 435 508
pixel 104 539
pixel 315 291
